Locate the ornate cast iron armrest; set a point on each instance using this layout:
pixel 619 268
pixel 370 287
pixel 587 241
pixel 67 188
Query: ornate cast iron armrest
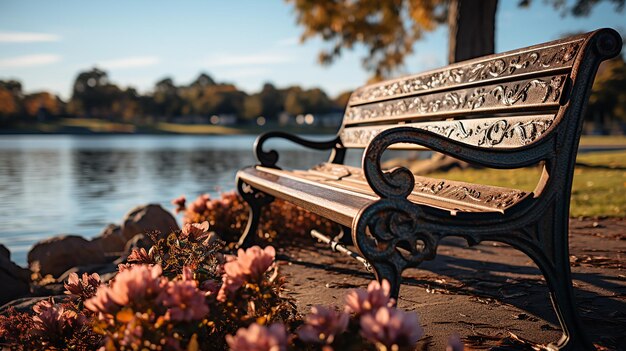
pixel 270 158
pixel 399 182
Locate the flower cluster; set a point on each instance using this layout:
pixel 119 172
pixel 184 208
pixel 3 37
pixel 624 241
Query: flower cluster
pixel 248 266
pixel 52 325
pixel 368 320
pixel 164 298
pixel 259 338
pixel 193 247
pixel 186 293
pixel 83 288
pixel 228 216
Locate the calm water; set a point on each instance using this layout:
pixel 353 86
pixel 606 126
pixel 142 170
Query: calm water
pixel 59 184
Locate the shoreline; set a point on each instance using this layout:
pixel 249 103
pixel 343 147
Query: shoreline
pixel 85 126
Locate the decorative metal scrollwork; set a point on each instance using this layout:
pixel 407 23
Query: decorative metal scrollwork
pixel 270 158
pixel 500 96
pixel 391 231
pixel 252 195
pixel 510 132
pixel 507 65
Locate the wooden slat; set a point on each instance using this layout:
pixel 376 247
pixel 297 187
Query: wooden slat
pixel 497 132
pixel 338 206
pixel 447 195
pixel 538 94
pixel 548 58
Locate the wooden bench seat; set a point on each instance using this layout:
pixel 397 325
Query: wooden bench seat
pixel 353 193
pixel 506 111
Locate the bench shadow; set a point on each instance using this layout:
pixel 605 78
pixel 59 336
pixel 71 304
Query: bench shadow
pixel 518 285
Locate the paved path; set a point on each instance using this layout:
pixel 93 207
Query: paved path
pixel 486 292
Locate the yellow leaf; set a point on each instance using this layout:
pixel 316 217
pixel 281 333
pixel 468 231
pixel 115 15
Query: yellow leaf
pixel 110 346
pixel 124 316
pixel 193 343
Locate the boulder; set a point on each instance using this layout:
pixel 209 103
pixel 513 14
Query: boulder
pixel 111 240
pixel 138 241
pixel 56 255
pixel 25 305
pixel 148 218
pixel 14 280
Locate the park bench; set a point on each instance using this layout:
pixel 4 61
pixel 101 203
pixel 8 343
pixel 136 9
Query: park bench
pixel 511 110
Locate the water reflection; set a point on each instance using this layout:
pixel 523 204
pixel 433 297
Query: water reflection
pixel 51 185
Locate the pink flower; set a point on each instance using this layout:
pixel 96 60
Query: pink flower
pixel 231 281
pixel 124 267
pixel 259 338
pixel 85 287
pixel 179 202
pixel 255 261
pixel 135 285
pixel 196 231
pixel 52 319
pixel 187 274
pixel 390 326
pixel 323 325
pixel 184 301
pixel 249 265
pixel 360 301
pixel 199 204
pixel 141 256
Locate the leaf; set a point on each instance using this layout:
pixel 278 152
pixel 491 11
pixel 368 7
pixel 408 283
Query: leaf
pixel 124 316
pixel 193 343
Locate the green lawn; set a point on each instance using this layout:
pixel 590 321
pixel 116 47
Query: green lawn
pixel 596 192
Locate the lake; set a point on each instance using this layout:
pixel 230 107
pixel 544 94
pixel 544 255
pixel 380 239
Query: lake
pixel 64 184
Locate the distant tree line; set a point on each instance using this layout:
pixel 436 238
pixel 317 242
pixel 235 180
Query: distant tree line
pixel 95 96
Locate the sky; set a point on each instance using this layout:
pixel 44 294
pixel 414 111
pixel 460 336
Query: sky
pixel 44 44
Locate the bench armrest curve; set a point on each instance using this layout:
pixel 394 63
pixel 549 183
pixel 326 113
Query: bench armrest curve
pixel 399 182
pixel 270 158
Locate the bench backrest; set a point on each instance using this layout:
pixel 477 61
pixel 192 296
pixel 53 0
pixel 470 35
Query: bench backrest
pixel 506 100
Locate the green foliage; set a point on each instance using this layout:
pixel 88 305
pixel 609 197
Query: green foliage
pixel 595 191
pixel 299 101
pixel 608 97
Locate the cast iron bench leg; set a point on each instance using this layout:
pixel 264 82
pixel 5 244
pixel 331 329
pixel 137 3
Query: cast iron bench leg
pixel 555 267
pixel 387 231
pixel 256 200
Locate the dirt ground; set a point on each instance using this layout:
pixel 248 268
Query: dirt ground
pixel 488 294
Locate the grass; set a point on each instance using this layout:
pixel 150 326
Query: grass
pixel 596 192
pixel 603 140
pixel 97 125
pixel 196 129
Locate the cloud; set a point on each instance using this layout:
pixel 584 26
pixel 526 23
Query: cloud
pixel 129 62
pixel 226 60
pixel 23 37
pixel 29 60
pixel 292 41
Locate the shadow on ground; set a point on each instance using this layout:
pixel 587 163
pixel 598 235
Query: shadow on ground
pixel 488 293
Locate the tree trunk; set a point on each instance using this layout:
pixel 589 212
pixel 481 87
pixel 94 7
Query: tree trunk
pixel 471 25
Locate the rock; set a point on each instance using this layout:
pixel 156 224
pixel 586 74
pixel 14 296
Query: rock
pixel 101 269
pixel 26 304
pixel 111 240
pixel 148 218
pixel 58 254
pixel 14 280
pixel 138 241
